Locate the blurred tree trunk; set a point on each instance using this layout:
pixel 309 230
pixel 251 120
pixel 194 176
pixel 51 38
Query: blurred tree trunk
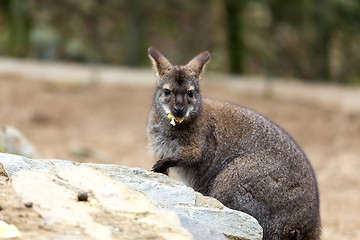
pixel 322 39
pixel 93 20
pixel 235 43
pixel 135 49
pixel 19 27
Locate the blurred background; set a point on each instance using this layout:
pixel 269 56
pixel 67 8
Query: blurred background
pixel 76 82
pixel 312 40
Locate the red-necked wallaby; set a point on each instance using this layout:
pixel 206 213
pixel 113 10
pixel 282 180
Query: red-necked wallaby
pixel 231 153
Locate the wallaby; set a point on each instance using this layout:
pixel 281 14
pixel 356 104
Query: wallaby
pixel 231 153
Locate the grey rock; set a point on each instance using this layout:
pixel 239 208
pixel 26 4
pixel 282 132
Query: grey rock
pixel 13 141
pixel 203 217
pixel 200 231
pixel 169 194
pixel 230 222
pixel 161 189
pixel 111 206
pixel 15 163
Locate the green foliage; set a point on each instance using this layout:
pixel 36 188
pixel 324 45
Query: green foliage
pixel 314 40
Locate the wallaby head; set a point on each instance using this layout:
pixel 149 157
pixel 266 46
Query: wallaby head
pixel 177 95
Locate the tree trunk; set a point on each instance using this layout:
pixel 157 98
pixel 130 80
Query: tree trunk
pixel 235 43
pixel 322 40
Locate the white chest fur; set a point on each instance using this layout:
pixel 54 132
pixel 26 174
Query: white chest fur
pixel 165 146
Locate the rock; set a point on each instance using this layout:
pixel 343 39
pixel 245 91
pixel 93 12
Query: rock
pixel 117 212
pixel 55 199
pixel 169 194
pixel 200 231
pixel 13 141
pixel 120 201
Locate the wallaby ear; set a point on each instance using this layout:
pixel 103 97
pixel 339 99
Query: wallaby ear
pixel 160 63
pixel 198 63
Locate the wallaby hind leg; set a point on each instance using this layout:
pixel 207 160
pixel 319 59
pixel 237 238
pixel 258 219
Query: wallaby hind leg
pixel 260 190
pixel 231 189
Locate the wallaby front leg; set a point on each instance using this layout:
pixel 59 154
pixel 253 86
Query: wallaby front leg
pixel 188 155
pixel 162 166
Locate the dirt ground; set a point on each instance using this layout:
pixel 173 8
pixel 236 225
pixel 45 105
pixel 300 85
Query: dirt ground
pixel 106 124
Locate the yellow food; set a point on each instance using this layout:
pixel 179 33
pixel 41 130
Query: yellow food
pixel 174 120
pixel 8 230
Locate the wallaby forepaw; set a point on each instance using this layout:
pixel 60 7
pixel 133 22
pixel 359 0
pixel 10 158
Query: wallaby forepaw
pixel 160 167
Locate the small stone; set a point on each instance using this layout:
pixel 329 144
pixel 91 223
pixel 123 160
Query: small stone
pixel 83 196
pixel 28 204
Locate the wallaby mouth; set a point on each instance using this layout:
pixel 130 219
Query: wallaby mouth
pixel 174 120
pixel 178 116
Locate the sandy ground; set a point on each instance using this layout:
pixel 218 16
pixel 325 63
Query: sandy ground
pixel 107 124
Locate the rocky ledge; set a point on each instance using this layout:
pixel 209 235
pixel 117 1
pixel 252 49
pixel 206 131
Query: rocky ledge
pixel 97 201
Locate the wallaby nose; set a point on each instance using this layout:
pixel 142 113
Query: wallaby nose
pixel 179 110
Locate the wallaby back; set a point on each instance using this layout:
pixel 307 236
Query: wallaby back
pixel 232 153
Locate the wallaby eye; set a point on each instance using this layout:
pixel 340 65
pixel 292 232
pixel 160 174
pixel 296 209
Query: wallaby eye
pixel 191 94
pixel 167 92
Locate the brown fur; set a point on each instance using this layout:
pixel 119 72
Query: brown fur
pixel 232 153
